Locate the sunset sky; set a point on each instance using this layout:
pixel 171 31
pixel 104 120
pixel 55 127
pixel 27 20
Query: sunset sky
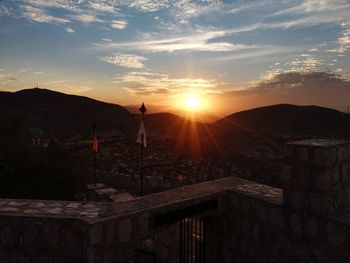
pixel 233 55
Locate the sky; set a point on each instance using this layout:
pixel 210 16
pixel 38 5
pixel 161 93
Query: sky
pixel 230 55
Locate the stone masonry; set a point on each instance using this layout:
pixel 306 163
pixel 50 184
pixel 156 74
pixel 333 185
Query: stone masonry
pixel 307 221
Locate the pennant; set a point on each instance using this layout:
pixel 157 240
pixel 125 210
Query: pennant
pixel 95 144
pixel 141 135
pixel 181 177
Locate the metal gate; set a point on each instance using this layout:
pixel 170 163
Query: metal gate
pixel 192 240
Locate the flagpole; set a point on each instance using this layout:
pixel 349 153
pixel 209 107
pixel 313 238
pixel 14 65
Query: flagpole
pixel 94 152
pixel 142 110
pixel 141 176
pixel 95 167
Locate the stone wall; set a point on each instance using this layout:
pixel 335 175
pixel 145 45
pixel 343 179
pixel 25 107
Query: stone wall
pixel 318 176
pixel 42 240
pixel 57 231
pixel 245 221
pixel 257 231
pixel 312 224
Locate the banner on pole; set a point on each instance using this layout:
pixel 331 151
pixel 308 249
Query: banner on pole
pixel 141 135
pixel 95 144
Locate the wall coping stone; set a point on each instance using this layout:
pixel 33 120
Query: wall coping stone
pixel 319 143
pixel 94 212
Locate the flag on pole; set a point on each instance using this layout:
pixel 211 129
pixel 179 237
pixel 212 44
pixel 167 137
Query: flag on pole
pixel 141 135
pixel 95 144
pixel 181 177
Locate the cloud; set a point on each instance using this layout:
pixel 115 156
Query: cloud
pixel 238 8
pixel 147 5
pixel 199 41
pixel 38 73
pixel 125 60
pixel 87 18
pixel 70 30
pixel 142 83
pixel 185 10
pixel 6 78
pixel 302 64
pixel 81 11
pixel 208 40
pixel 38 15
pixel 180 10
pixel 4 10
pixel 318 88
pixel 343 40
pixel 119 24
pixel 316 6
pixel 260 51
pixel 108 7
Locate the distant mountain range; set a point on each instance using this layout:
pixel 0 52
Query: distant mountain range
pixel 289 121
pixel 55 113
pixel 61 114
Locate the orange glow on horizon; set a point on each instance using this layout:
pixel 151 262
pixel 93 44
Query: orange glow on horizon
pixel 191 102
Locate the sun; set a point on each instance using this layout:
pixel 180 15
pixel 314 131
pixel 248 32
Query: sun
pixel 192 102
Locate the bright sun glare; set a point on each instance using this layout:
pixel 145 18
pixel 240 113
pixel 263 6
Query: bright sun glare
pixel 192 102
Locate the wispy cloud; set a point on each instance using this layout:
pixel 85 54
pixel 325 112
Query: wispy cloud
pixel 147 83
pixel 316 6
pixel 86 18
pixel 125 60
pixel 302 64
pixel 6 78
pixel 343 40
pixel 239 7
pixel 4 10
pixel 70 30
pixel 147 5
pixel 260 51
pixel 81 11
pixel 67 86
pixel 298 86
pixel 38 15
pixel 108 7
pixel 207 40
pixel 119 24
pixel 200 41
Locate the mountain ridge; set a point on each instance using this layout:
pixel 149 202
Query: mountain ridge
pixel 287 119
pixel 55 113
pixel 61 114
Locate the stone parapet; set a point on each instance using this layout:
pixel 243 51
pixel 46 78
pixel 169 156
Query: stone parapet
pixel 109 232
pixel 244 221
pixel 317 172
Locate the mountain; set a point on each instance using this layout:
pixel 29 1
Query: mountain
pixel 172 125
pixel 61 115
pixel 58 114
pixel 288 121
pixel 150 108
pixel 203 116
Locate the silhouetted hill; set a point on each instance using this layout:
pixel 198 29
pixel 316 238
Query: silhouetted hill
pixel 58 114
pixel 164 122
pixel 288 121
pixel 171 125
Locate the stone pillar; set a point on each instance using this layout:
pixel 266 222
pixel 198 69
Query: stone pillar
pixel 317 178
